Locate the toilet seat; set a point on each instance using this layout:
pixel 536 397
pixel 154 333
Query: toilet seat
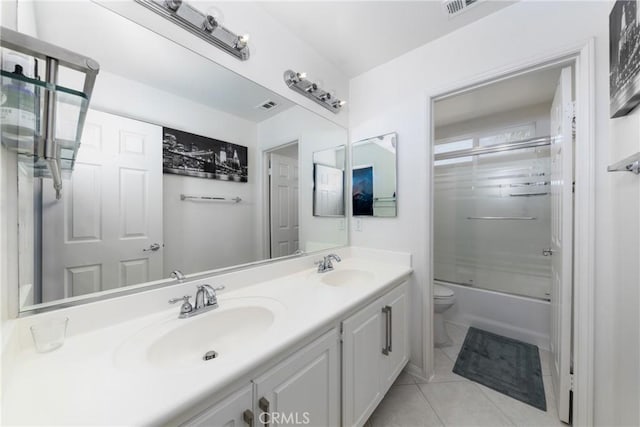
pixel 441 292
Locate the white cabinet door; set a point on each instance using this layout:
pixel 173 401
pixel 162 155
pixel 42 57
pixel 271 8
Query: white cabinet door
pixel 234 411
pixel 304 389
pixel 396 313
pixel 362 345
pixel 374 352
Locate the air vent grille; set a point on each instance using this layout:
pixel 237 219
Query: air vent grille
pixel 267 105
pixel 455 7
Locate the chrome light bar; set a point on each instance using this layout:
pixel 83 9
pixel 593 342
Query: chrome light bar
pixel 299 83
pixel 204 26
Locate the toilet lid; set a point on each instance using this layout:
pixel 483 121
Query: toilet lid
pixel 440 291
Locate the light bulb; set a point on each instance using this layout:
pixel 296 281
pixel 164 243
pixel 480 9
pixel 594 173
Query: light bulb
pixel 241 42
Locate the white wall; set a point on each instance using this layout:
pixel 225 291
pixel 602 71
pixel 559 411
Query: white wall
pixel 619 291
pixel 400 102
pixel 313 133
pixel 538 114
pixel 274 49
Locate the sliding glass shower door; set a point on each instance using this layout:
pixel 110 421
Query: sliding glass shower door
pixel 492 219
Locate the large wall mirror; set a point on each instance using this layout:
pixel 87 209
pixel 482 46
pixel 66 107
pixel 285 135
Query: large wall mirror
pixel 374 176
pixel 173 169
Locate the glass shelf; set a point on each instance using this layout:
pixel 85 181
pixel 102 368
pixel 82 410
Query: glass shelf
pixel 21 116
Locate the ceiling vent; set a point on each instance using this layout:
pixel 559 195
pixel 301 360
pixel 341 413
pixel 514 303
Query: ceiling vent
pixel 267 105
pixel 456 7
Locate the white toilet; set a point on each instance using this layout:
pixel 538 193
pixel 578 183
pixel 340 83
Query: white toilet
pixel 443 299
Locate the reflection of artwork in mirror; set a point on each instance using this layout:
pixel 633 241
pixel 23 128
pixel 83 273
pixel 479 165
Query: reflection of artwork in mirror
pixel 363 191
pixel 374 176
pixel 184 153
pixel 328 182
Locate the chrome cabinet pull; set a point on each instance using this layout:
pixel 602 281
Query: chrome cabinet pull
pixel 385 311
pixel 247 417
pixel 390 328
pixel 263 404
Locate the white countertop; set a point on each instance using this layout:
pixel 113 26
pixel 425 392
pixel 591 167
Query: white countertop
pixel 84 382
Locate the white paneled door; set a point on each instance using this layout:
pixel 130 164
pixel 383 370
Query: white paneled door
pixel 101 234
pixel 283 199
pixel 562 241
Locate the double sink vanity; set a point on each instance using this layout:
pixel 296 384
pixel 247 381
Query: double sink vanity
pixel 287 344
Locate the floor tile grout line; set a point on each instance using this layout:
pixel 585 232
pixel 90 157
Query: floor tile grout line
pixel 426 399
pixel 495 404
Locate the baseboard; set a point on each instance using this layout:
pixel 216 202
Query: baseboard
pixel 510 331
pixel 417 372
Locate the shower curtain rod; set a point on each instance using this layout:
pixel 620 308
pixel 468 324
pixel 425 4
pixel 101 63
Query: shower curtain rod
pixel 475 151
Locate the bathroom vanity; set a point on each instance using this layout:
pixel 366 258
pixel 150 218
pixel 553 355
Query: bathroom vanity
pixel 291 345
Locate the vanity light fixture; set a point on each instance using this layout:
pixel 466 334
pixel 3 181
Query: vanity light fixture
pixel 299 83
pixel 202 25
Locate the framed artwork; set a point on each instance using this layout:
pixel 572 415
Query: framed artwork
pixel 362 184
pixel 184 153
pixel 624 57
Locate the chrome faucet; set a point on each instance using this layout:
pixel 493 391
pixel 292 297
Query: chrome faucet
pixel 325 264
pixel 177 274
pixel 206 299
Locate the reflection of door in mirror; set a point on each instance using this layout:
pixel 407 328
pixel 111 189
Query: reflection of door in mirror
pixel 283 200
pixel 100 231
pixel 328 182
pixel 328 186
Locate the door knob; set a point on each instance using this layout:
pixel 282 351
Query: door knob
pixel 154 247
pixel 547 252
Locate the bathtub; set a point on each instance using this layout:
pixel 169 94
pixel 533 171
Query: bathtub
pixel 522 318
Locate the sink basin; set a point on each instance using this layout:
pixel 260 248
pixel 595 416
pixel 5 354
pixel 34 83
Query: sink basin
pixel 347 277
pixel 234 327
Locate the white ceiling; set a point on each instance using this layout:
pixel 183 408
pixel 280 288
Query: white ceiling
pixel 134 52
pixel 357 36
pixel 529 89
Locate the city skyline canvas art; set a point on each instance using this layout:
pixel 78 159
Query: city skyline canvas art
pixel 188 154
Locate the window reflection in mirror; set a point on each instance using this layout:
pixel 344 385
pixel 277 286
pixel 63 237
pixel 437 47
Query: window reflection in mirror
pixel 374 176
pixel 328 182
pixel 123 220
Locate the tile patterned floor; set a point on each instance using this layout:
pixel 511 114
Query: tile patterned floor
pixel 451 400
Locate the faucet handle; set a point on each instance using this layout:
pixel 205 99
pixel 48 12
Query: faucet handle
pixel 217 288
pixel 185 298
pixel 186 306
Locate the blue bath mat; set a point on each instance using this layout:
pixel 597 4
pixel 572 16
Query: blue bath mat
pixel 506 365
